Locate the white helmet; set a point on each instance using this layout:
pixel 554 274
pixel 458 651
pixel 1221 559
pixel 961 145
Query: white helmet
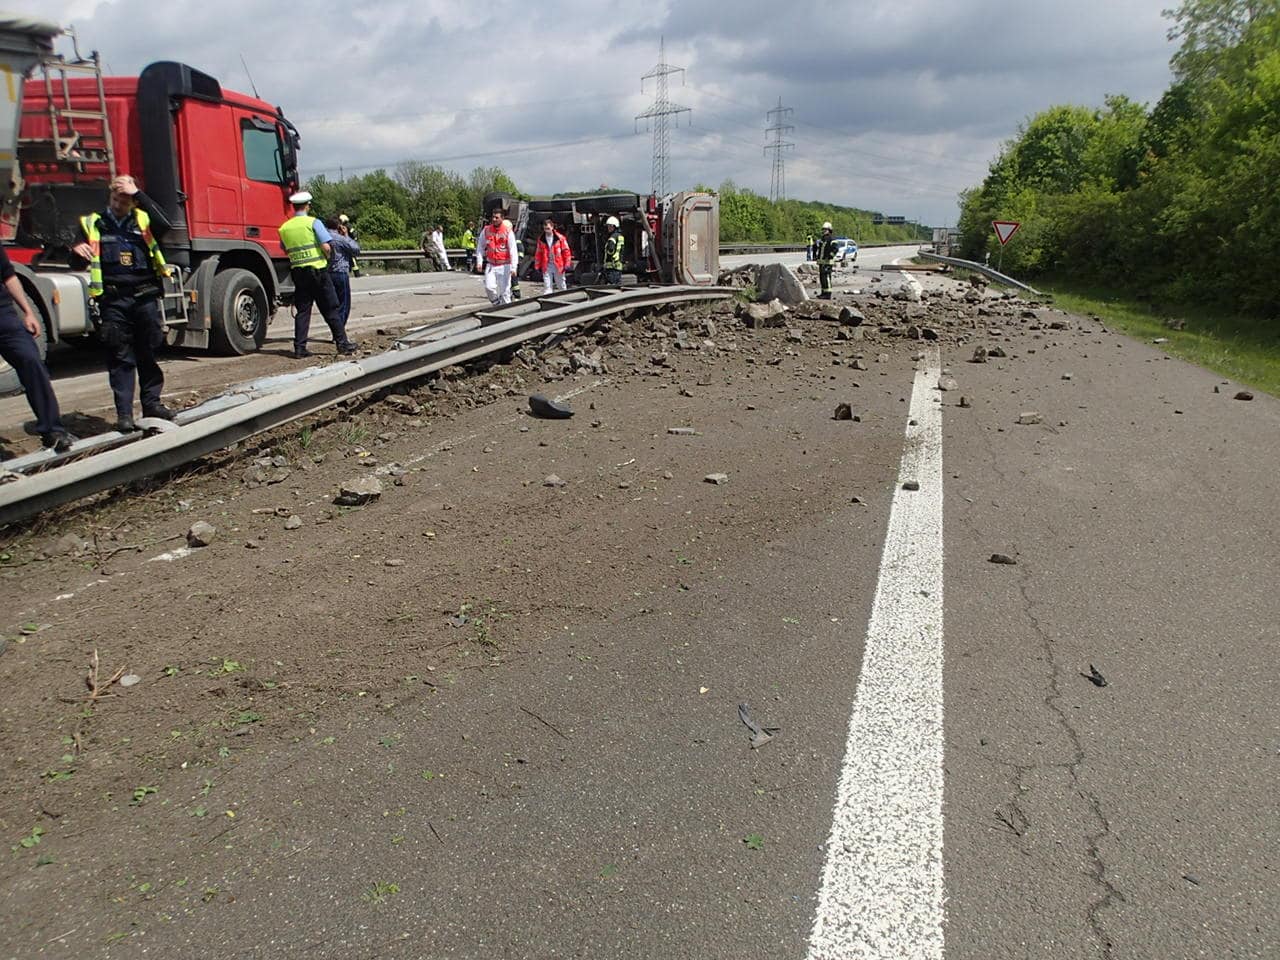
pixel 827 225
pixel 612 222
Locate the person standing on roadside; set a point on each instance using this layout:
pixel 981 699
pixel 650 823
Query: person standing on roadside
pixel 126 279
pixel 469 246
pixel 19 328
pixel 308 243
pixel 342 266
pixel 497 250
pixel 552 257
pixel 349 231
pixel 613 249
pixel 825 255
pixel 437 238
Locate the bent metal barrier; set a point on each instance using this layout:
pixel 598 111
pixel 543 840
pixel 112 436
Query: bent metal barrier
pixel 42 480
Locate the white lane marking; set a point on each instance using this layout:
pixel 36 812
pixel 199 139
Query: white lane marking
pixel 882 890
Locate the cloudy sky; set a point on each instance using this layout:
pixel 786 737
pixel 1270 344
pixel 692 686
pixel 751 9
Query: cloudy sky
pixel 898 104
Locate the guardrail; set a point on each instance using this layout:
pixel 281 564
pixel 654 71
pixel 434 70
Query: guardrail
pixel 45 479
pixel 982 269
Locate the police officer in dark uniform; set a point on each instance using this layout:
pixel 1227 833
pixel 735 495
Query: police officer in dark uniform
pixel 18 329
pixel 126 278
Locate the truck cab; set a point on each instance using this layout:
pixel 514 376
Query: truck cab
pixel 218 163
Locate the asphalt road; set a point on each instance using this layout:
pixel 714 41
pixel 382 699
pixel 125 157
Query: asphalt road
pixel 946 781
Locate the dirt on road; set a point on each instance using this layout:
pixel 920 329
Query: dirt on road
pixel 306 629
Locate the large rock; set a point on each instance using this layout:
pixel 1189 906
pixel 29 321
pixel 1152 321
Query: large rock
pixel 778 282
pixel 356 493
pixel 771 314
pixel 201 534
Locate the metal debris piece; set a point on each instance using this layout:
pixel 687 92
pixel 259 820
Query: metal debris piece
pixel 1094 677
pixel 759 735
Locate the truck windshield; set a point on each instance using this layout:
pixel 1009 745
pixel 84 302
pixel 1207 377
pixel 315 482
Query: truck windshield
pixel 262 159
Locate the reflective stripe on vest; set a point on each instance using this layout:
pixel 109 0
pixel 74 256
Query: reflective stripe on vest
pixel 496 248
pixel 298 234
pixel 93 233
pixel 613 251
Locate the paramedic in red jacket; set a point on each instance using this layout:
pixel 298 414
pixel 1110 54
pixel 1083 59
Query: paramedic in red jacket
pixel 552 257
pixel 497 253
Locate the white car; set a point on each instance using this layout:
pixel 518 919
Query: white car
pixel 846 249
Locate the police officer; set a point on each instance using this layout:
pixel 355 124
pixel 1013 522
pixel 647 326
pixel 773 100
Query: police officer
pixel 613 247
pixel 825 255
pixel 126 278
pixel 469 246
pixel 306 240
pixel 18 349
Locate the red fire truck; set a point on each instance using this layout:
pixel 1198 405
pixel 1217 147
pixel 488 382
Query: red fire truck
pixel 220 164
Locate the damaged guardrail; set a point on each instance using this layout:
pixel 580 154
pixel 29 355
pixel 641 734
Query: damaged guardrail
pixel 980 268
pixel 43 480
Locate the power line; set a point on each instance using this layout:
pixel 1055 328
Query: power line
pixel 658 112
pixel 778 181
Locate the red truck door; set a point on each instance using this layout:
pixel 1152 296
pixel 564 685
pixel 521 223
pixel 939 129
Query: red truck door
pixel 266 177
pixel 209 158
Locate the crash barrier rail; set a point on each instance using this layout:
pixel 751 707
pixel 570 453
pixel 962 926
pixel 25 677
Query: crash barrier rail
pixel 980 268
pixel 46 479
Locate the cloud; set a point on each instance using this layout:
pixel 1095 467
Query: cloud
pixel 899 104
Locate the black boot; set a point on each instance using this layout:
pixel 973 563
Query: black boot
pixel 59 440
pixel 159 411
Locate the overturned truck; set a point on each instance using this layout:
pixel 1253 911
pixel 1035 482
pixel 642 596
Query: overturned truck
pixel 670 239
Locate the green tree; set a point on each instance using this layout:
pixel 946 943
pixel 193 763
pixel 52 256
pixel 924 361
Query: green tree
pixel 379 222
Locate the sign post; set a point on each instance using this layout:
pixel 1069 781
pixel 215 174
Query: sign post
pixel 1005 229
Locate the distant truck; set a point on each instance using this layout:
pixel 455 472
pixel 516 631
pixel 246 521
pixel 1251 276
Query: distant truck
pixel 671 239
pixel 220 164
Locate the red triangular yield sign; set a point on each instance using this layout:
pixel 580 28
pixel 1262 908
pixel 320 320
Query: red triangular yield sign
pixel 1005 229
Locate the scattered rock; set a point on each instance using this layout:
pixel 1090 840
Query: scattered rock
pixel 795 335
pixel 130 680
pixel 716 478
pixel 856 499
pixel 1066 376
pixel 857 363
pixel 947 383
pixel 760 315
pixel 1160 340
pixel 1094 677
pixel 911 485
pixel 1002 558
pixel 356 493
pixel 682 431
pixel 979 355
pixel 293 523
pixel 851 317
pixel 997 352
pixel 184 506
pixel 549 409
pixel 67 545
pixel 201 534
pixel 778 282
pixel 1244 395
pixel 264 474
pixel 551 480
pixel 845 412
pixel 1029 417
pixel 964 402
pixel 393 563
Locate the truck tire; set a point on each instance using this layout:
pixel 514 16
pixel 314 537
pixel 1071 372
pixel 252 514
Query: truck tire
pixel 9 382
pixel 609 203
pixel 238 313
pixel 562 205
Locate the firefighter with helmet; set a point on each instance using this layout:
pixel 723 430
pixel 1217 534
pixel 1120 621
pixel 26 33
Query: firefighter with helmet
pixel 825 255
pixel 613 249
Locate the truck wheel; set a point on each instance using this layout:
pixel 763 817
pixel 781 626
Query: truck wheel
pixel 238 313
pixel 9 382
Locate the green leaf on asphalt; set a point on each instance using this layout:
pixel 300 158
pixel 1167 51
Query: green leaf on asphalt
pixel 610 870
pixel 754 841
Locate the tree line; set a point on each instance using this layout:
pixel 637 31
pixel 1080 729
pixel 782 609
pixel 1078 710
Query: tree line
pixel 392 210
pixel 1178 201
